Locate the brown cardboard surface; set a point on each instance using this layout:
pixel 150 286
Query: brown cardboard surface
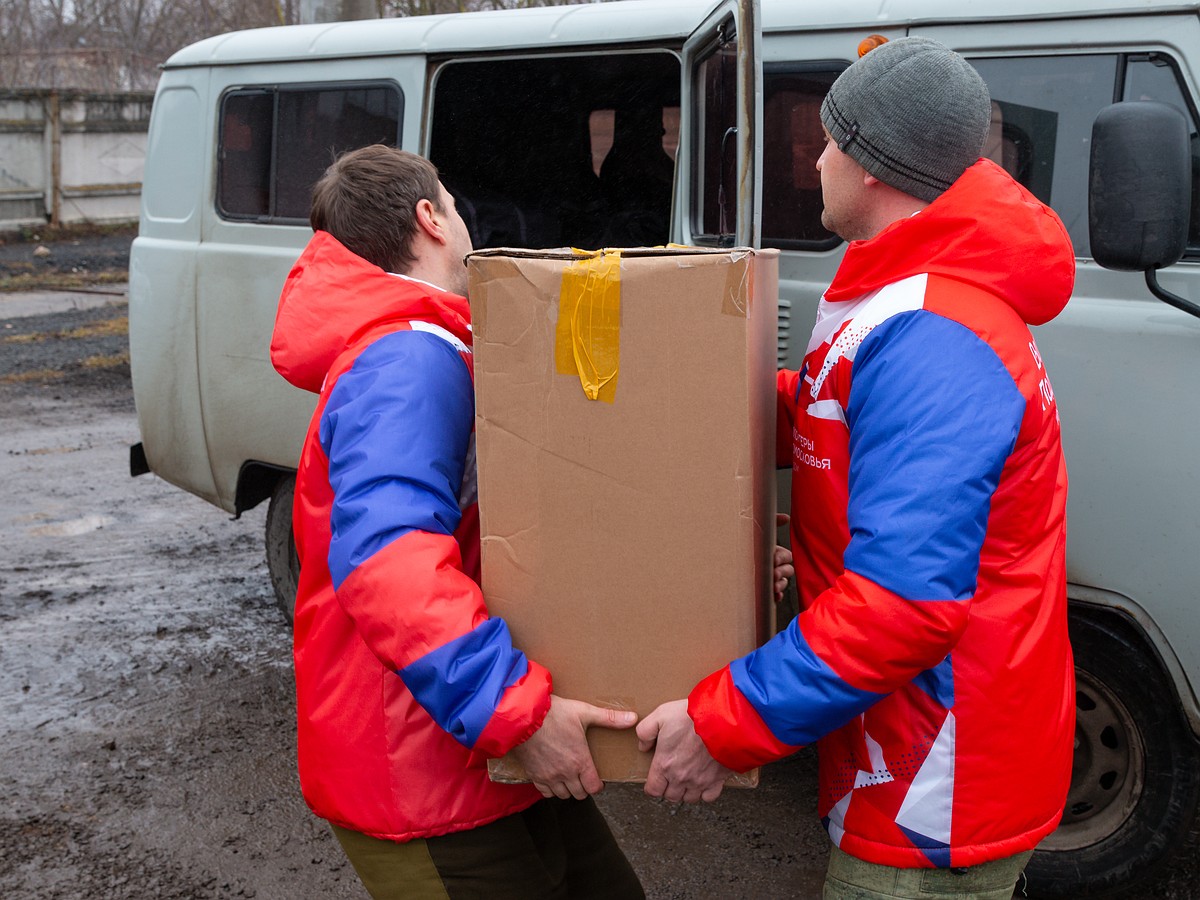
pixel 628 541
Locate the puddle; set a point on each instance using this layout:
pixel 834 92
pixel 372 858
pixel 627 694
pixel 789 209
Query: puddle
pixel 73 527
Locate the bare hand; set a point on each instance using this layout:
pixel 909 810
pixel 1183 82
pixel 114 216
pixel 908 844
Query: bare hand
pixel 556 756
pixel 682 768
pixel 784 570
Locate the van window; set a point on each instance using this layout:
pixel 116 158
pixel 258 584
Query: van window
pixel 714 218
pixel 560 151
pixel 1154 77
pixel 276 142
pixel 1042 113
pixel 792 142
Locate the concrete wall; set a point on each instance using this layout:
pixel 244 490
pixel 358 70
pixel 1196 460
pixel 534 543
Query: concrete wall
pixel 68 157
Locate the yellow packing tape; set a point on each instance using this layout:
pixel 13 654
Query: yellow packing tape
pixel 587 340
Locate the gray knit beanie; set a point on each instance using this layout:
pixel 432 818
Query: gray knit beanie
pixel 911 112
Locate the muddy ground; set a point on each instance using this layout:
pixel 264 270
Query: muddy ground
pixel 147 740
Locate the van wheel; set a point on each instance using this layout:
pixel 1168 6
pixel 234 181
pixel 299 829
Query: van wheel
pixel 282 561
pixel 1136 776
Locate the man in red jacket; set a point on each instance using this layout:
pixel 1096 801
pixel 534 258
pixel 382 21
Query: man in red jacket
pixel 404 685
pixel 930 659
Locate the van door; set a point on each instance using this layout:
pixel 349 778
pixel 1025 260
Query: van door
pixel 559 149
pixel 1124 366
pixel 558 145
pixel 276 127
pixel 719 194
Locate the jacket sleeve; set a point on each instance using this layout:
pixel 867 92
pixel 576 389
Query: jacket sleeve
pixel 396 430
pixel 933 415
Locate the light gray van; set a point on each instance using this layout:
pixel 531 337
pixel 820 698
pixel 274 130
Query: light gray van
pixel 695 121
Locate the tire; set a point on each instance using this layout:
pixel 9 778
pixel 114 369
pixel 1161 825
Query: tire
pixel 1136 778
pixel 282 562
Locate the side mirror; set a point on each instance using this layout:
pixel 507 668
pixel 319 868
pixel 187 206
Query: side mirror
pixel 1140 190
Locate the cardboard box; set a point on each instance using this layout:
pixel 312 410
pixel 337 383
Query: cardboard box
pixel 627 539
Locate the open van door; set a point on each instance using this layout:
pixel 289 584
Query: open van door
pixel 720 156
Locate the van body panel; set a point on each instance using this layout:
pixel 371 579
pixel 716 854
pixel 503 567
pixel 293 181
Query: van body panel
pixel 162 288
pixel 1163 31
pixel 1123 366
pixel 237 264
pixel 166 389
pixel 266 425
pixel 1125 370
pixel 905 13
pixel 1079 595
pixel 229 267
pixel 622 22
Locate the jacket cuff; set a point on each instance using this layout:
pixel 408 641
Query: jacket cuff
pixel 731 728
pixel 521 711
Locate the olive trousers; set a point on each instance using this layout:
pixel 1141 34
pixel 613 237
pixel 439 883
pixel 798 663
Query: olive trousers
pixel 850 878
pixel 555 850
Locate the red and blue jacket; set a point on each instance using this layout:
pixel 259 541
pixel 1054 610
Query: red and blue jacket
pixel 404 684
pixel 930 658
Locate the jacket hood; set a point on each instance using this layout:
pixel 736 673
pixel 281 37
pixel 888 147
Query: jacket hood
pixel 986 230
pixel 332 297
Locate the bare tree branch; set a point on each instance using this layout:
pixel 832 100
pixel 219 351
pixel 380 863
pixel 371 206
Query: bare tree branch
pixel 117 44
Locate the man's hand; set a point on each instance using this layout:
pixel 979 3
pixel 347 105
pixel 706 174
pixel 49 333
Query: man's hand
pixel 556 756
pixel 682 769
pixel 784 569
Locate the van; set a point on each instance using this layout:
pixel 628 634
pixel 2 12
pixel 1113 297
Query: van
pixel 695 121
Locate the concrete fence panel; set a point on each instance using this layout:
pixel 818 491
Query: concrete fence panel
pixel 68 157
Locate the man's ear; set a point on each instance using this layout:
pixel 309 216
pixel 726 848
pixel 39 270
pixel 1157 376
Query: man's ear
pixel 869 179
pixel 430 221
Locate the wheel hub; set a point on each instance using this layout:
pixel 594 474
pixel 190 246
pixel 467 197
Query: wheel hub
pixel 1106 777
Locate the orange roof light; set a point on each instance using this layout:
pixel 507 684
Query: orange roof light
pixel 869 43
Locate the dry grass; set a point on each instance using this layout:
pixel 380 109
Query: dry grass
pixel 61 281
pixel 45 234
pixel 114 327
pixel 19 273
pixel 37 375
pixel 109 361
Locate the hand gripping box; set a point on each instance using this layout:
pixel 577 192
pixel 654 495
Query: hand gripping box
pixel 625 435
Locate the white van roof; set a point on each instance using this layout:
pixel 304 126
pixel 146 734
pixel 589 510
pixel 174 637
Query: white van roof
pixel 542 26
pixel 788 15
pixel 621 22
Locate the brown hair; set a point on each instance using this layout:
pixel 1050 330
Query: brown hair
pixel 367 200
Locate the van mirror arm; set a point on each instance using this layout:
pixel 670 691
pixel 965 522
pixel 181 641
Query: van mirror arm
pixel 1167 297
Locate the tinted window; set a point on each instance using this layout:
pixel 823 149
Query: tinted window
pixel 1154 77
pixel 715 216
pixel 276 142
pixel 244 176
pixel 792 142
pixel 572 151
pixel 1042 113
pixel 1043 109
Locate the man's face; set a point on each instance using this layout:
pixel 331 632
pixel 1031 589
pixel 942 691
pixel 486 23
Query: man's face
pixel 460 240
pixel 843 193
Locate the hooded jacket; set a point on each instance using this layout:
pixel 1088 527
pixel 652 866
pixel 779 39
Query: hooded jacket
pixel 404 685
pixel 930 657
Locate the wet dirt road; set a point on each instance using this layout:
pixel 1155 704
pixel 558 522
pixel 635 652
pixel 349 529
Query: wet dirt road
pixel 147 739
